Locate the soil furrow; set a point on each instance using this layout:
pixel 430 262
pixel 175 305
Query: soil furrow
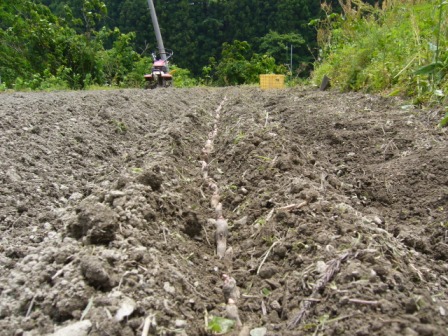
pixel 105 202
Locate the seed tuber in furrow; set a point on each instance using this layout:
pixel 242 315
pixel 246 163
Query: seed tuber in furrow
pixel 212 185
pixel 214 201
pixel 229 288
pixel 232 313
pixel 221 236
pixel 218 210
pixel 204 165
pixel 208 148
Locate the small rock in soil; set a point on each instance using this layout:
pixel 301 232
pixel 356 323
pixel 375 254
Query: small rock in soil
pixel 441 251
pixel 80 328
pixel 95 274
pixel 95 221
pixel 267 271
pixel 411 306
pixel 426 330
pixel 168 288
pixel 180 324
pixel 152 179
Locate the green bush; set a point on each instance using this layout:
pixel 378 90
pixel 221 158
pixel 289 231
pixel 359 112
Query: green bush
pixel 240 65
pixel 134 78
pixel 182 77
pixel 398 49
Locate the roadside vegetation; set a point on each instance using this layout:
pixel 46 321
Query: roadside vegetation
pixel 39 51
pixel 398 48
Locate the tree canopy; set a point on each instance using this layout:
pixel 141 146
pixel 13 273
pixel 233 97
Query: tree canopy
pixel 196 30
pixel 84 42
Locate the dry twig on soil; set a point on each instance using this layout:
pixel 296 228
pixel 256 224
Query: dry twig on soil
pixel 30 307
pixel 266 254
pixel 366 302
pixel 332 267
pixel 292 207
pixel 206 235
pixel 149 325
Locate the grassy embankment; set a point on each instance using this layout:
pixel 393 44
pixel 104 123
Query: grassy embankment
pixel 398 49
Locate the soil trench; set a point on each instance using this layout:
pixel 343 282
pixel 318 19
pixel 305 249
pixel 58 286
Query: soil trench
pixel 112 206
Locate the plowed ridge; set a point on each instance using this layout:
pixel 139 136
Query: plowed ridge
pixel 336 206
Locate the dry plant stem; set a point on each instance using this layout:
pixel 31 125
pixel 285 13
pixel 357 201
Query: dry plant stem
pixel 419 273
pixel 312 299
pixel 202 193
pixel 205 318
pixel 394 321
pixel 109 315
pixel 246 296
pixel 291 207
pixel 284 299
pixel 60 271
pixel 87 309
pixel 146 326
pixel 264 310
pixel 266 255
pixel 269 216
pixel 193 289
pixel 164 235
pixel 30 307
pixel 229 254
pixel 363 302
pixel 206 235
pixel 333 266
pixel 122 278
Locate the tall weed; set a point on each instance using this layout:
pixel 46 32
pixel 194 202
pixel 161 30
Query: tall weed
pixel 398 49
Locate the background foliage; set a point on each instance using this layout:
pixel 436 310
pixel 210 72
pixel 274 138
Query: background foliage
pixel 400 47
pixel 83 43
pixel 397 47
pixel 40 51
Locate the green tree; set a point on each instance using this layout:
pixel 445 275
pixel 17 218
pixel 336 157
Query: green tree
pixel 28 33
pixel 116 63
pixel 93 12
pixel 278 45
pixel 196 30
pixel 240 65
pixel 134 17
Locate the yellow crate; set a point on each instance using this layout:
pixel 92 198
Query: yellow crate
pixel 272 81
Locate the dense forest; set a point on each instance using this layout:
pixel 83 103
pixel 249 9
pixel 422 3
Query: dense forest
pixel 196 29
pixel 93 41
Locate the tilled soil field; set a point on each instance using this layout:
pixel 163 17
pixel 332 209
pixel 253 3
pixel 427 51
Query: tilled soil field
pixel 291 212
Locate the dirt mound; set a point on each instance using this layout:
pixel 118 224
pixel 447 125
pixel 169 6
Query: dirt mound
pixel 335 207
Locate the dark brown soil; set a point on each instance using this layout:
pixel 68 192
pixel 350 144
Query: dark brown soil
pixel 337 207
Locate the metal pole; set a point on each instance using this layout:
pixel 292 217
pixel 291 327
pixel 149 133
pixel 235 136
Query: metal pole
pixel 291 60
pixel 155 23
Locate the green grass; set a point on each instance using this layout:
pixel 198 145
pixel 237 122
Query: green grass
pixel 384 50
